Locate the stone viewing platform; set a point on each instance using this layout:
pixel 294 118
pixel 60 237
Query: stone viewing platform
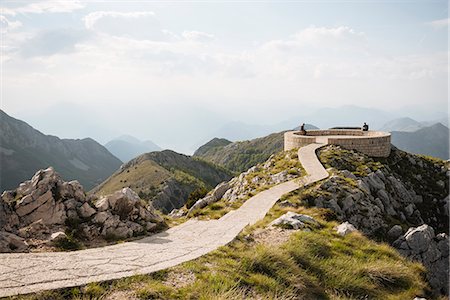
pixel 372 143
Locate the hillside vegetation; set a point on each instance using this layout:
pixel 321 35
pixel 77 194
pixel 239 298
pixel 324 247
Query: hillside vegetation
pixel 299 264
pixel 267 262
pixel 240 156
pixel 165 178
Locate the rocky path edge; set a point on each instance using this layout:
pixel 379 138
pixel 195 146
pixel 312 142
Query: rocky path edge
pixel 23 273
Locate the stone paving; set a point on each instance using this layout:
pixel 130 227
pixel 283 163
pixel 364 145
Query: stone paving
pixel 22 273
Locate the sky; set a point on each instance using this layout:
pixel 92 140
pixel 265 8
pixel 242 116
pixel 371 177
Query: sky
pixel 177 72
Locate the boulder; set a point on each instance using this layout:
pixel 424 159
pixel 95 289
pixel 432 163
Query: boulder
pixel 294 221
pixel 102 204
pixel 58 236
pixel 101 217
pixel 345 228
pixel 220 190
pixel 421 244
pixel 86 210
pixel 214 196
pixel 419 238
pixel 11 243
pixel 395 232
pixel 177 213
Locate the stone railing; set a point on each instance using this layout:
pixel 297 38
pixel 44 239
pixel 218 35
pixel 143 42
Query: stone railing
pixel 372 143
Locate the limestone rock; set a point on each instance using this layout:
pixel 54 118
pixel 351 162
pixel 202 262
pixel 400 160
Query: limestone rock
pixel 86 210
pixel 217 194
pixel 58 236
pixel 294 221
pixel 177 213
pixel 102 204
pixel 419 238
pixel 345 228
pixel 101 217
pixel 39 208
pixel 421 244
pixel 11 243
pixel 395 232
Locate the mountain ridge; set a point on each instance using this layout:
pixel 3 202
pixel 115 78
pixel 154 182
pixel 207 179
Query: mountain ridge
pixel 25 149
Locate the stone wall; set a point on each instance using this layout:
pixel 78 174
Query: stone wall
pixel 372 143
pixel 379 146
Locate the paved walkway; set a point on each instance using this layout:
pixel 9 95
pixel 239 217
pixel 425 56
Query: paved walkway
pixel 23 273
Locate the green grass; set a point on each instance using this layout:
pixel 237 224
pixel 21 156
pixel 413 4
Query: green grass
pixel 342 159
pixel 319 264
pixel 282 161
pixel 139 177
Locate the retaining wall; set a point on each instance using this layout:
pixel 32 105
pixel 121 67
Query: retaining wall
pixel 372 143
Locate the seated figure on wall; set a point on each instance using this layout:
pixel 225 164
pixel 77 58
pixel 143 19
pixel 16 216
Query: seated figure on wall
pixel 302 129
pixel 365 127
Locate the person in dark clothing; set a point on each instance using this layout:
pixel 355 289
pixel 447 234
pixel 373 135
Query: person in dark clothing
pixel 365 127
pixel 302 129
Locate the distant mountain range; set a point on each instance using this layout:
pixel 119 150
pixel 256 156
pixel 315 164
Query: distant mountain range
pixel 23 150
pixel 432 140
pixel 127 147
pixel 402 124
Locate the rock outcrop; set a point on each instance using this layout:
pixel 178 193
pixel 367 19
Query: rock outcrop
pixel 292 220
pixel 422 245
pixel 46 209
pixel 381 197
pixel 277 169
pixel 214 196
pixel 345 228
pixel 373 195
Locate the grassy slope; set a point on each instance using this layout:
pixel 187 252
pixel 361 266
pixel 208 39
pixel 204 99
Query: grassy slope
pixel 311 265
pixel 316 264
pixel 240 156
pixel 214 143
pixel 151 173
pixel 221 207
pixel 140 177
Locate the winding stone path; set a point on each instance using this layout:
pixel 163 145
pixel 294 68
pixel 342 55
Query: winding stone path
pixel 22 273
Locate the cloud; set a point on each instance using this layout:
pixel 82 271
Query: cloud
pixel 324 39
pixel 41 7
pixel 198 36
pixel 439 24
pixel 50 42
pixel 91 19
pixel 316 35
pixel 7 25
pixel 140 25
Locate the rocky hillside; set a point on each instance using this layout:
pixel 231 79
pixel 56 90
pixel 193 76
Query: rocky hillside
pixel 384 197
pixel 47 213
pixel 402 200
pixel 432 140
pixel 24 150
pixel 240 156
pixel 165 178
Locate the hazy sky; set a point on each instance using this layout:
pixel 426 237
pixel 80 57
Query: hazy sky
pixel 158 69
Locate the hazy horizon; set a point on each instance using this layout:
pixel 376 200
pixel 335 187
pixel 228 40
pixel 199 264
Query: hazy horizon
pixel 177 73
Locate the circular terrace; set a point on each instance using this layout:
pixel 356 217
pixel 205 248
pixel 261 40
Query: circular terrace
pixel 372 143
